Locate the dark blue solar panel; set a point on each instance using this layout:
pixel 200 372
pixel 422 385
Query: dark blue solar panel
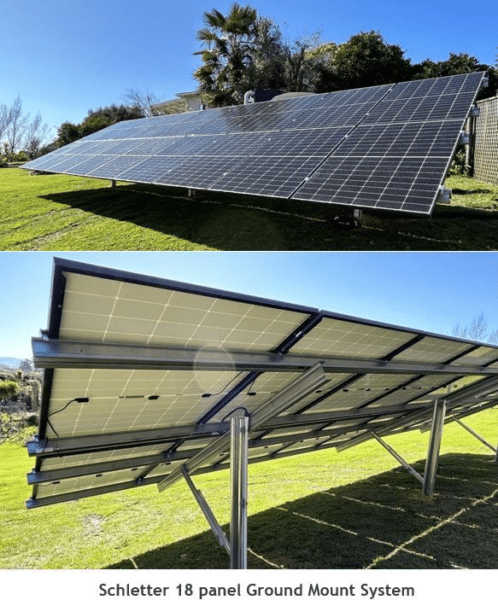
pixel 266 176
pixel 398 155
pixel 114 167
pixel 314 142
pixel 87 164
pixel 197 172
pixel 150 169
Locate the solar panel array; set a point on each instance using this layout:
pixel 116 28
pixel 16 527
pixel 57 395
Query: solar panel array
pixel 384 147
pixel 141 375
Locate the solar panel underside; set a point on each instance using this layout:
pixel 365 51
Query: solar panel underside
pixel 385 147
pixel 141 422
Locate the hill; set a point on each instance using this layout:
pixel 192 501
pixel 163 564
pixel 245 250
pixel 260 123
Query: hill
pixel 9 362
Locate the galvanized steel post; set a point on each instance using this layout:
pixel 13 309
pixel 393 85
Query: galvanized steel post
pixel 239 428
pixel 431 464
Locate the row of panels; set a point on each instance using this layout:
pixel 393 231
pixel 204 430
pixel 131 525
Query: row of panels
pixel 289 148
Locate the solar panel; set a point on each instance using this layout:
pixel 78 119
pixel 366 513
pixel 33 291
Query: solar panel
pixel 384 147
pixel 398 156
pixel 142 375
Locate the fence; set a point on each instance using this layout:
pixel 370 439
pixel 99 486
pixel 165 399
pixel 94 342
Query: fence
pixel 486 141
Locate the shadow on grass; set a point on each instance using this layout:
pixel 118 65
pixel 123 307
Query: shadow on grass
pixel 237 222
pixel 467 192
pixel 224 222
pixel 381 522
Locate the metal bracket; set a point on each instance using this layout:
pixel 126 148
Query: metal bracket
pixel 443 195
pixel 357 214
pixel 475 111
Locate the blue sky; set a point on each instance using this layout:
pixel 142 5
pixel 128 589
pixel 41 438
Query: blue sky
pixel 429 291
pixel 66 57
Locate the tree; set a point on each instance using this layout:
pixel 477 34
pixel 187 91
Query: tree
pixel 95 121
pixel 455 64
pixel 3 119
pixel 323 65
pixel 266 69
pixel 145 103
pixel 302 65
pixel 26 366
pixel 367 60
pixel 478 330
pixel 229 47
pixel 35 135
pixel 17 124
pixel 109 115
pixel 21 134
pixel 67 133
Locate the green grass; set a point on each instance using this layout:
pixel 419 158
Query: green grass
pixel 62 212
pixel 354 509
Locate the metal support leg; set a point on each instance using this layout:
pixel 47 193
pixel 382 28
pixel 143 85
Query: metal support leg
pixel 431 464
pixel 208 513
pixel 238 473
pixel 191 193
pixel 399 458
pixel 477 436
pixel 113 183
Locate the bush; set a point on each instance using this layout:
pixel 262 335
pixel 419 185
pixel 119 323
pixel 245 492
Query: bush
pixel 458 166
pixel 32 420
pixel 8 389
pixel 17 428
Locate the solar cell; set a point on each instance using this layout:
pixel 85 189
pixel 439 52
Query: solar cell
pixel 142 375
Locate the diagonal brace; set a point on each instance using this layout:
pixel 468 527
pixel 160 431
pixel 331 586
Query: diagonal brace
pixel 208 513
pixel 477 436
pixel 398 457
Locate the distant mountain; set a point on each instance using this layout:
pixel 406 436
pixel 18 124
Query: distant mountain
pixel 10 362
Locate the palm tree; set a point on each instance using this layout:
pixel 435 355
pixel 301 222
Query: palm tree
pixel 229 44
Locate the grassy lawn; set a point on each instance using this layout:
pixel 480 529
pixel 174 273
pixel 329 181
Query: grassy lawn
pixel 354 509
pixel 62 212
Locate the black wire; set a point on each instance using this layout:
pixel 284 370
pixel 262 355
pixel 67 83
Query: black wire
pixel 61 409
pixel 246 412
pixel 58 411
pixel 226 385
pixel 52 428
